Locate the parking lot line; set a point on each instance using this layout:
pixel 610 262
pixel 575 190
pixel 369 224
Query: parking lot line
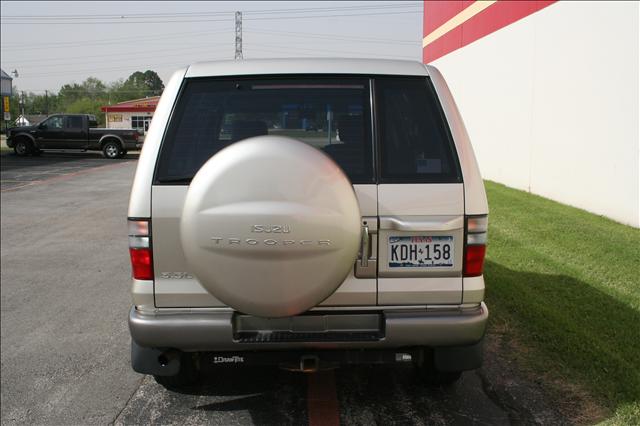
pixel 63 177
pixel 322 399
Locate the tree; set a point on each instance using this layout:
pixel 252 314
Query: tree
pixel 46 103
pixel 153 82
pixel 94 88
pixel 146 83
pixel 14 103
pixel 87 106
pixel 90 88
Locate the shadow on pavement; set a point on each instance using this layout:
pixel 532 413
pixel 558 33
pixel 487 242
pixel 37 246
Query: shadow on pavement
pixel 267 395
pixel 390 394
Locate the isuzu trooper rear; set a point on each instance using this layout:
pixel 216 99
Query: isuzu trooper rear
pixel 307 213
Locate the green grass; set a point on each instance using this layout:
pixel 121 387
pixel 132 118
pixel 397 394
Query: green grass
pixel 567 282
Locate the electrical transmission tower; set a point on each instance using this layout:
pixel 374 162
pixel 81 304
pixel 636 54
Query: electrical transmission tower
pixel 238 35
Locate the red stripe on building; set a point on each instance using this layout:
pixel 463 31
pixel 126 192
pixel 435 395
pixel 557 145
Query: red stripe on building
pixel 493 18
pixel 116 108
pixel 447 43
pixel 440 12
pixel 136 105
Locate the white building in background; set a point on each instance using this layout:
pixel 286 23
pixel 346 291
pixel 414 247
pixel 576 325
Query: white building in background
pixel 134 114
pixel 549 92
pixel 29 120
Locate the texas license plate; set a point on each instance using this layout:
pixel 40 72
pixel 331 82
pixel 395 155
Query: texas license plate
pixel 421 252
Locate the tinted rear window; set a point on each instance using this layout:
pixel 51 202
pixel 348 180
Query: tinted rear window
pixel 330 114
pixel 415 144
pixel 74 122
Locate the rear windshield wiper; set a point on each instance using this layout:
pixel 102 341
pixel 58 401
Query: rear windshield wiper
pixel 175 179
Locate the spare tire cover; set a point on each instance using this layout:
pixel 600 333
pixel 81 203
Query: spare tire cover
pixel 270 226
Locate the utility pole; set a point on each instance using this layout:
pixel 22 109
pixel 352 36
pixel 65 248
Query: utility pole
pixel 22 104
pixel 238 35
pixel 46 102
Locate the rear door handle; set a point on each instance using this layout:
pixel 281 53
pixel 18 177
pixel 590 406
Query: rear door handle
pixel 364 246
pixel 367 265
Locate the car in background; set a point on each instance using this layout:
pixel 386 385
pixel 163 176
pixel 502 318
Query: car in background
pixel 72 132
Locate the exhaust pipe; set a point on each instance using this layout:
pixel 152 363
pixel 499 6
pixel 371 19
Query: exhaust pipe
pixel 166 357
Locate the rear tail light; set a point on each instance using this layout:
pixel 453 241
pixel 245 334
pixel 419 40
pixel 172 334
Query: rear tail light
pixel 136 136
pixel 140 250
pixel 476 245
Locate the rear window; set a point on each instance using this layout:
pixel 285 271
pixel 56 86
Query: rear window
pixel 414 139
pixel 330 114
pixel 74 122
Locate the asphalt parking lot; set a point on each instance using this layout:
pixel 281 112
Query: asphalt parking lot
pixel 65 343
pixel 17 172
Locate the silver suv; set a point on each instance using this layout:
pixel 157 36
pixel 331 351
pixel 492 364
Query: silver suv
pixel 307 213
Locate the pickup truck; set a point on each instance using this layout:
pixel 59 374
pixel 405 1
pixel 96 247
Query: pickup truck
pixel 72 131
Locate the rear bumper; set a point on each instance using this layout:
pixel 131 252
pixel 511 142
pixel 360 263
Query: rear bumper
pixel 214 331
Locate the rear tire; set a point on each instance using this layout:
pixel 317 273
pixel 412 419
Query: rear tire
pixel 187 376
pixel 111 150
pixel 431 376
pixel 22 148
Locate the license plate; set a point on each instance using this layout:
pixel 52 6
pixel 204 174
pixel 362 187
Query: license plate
pixel 421 252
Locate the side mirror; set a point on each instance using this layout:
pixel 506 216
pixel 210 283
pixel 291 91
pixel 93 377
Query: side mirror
pixel 42 127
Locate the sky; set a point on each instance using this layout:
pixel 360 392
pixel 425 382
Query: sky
pixel 54 43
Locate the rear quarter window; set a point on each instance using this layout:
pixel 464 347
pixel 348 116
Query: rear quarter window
pixel 415 144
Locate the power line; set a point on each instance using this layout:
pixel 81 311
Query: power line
pixel 53 92
pixel 357 15
pixel 179 14
pixel 46 60
pixel 349 52
pixel 306 13
pixel 337 8
pixel 115 16
pixel 263 18
pixel 93 70
pixel 111 40
pixel 58 22
pixel 42 63
pixel 280 51
pixel 46 63
pixel 331 37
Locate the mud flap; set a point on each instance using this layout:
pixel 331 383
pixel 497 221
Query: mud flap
pixel 158 362
pixel 458 358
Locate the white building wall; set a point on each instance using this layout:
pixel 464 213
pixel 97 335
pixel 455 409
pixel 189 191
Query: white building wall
pixel 125 123
pixel 551 105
